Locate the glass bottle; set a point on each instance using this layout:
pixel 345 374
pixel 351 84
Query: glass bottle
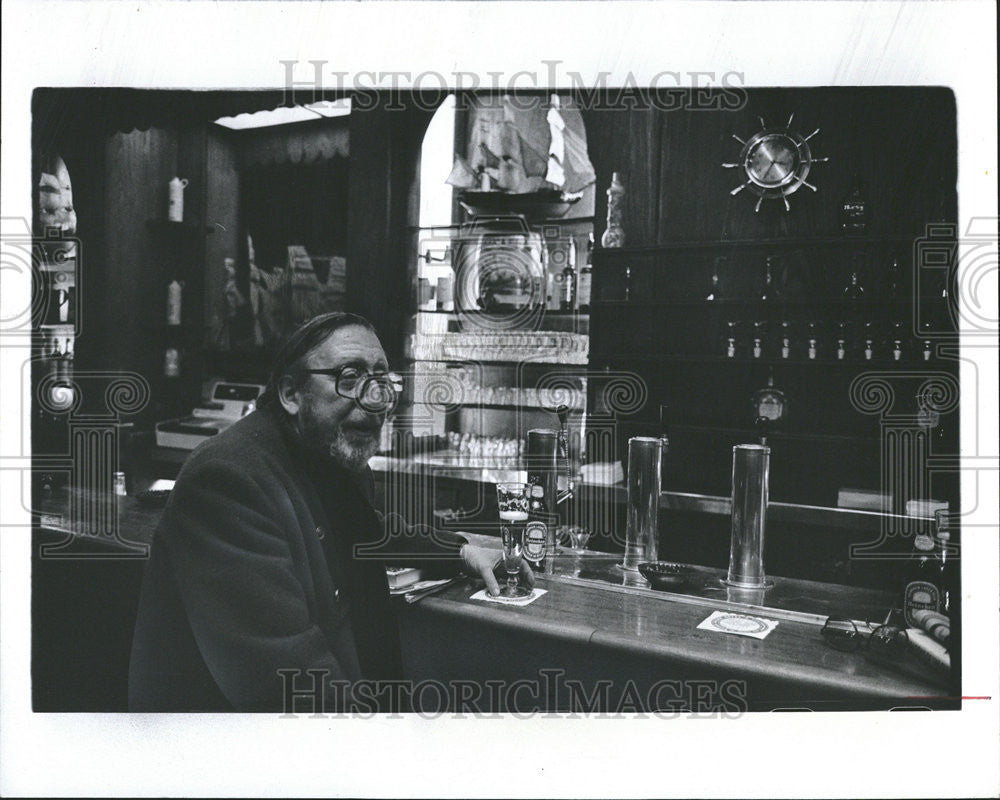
pixel 584 284
pixel 946 565
pixel 894 279
pixel 614 234
pixel 920 589
pixel 897 342
pixel 716 293
pixel 567 295
pixel 767 282
pixel 869 342
pixel 786 340
pixel 542 515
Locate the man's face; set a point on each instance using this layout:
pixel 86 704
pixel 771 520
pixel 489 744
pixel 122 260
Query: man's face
pixel 335 424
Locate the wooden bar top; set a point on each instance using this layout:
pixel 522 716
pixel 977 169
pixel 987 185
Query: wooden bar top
pixel 664 627
pixel 643 625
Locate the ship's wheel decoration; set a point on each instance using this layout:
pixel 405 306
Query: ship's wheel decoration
pixel 775 163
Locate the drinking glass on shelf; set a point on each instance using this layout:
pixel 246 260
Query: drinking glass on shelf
pixel 578 537
pixel 512 503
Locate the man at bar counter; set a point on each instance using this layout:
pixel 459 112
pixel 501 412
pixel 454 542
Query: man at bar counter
pixel 255 567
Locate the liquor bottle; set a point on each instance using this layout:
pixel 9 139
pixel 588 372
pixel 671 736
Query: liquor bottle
pixel 614 234
pixel 869 350
pixel 920 588
pixel 174 291
pixel 172 362
pixel 583 286
pixel 567 298
pixel 854 209
pixel 767 282
pixel 716 293
pixel 894 279
pixel 842 342
pixel 552 291
pixel 946 565
pixel 730 340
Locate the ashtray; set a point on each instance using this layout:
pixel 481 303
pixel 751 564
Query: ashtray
pixel 665 575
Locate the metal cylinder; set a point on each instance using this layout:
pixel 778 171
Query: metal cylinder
pixel 751 468
pixel 642 512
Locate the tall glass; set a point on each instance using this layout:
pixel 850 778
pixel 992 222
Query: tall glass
pixel 643 501
pixel 751 468
pixel 512 502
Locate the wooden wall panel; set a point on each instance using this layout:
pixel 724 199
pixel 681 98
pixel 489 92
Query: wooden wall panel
pixel 384 166
pixel 222 217
pixel 900 140
pixel 626 141
pixel 139 165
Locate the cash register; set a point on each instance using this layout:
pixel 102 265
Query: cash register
pixel 229 402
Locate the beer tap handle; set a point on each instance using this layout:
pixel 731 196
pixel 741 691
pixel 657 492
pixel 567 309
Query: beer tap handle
pixel 762 424
pixel 563 413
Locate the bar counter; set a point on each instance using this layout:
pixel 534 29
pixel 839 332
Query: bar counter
pixel 634 639
pixel 623 642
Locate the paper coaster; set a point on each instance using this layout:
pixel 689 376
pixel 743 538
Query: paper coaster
pixel 739 624
pixel 509 601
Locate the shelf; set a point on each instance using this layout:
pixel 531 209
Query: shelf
pixel 774 435
pixel 499 406
pixel 488 362
pixel 455 226
pixel 767 362
pixel 480 312
pixel 786 244
pixel 775 304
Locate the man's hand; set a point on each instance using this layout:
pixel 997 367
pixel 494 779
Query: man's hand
pixel 488 565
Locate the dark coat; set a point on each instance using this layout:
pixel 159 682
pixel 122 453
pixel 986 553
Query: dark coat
pixel 251 572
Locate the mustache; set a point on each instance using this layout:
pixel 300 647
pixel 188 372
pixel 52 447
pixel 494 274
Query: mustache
pixel 373 427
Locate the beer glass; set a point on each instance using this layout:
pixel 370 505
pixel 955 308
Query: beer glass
pixel 512 502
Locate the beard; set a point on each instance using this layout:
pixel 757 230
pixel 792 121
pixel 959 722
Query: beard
pixel 349 446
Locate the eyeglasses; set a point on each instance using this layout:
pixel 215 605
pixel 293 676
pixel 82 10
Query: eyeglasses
pixel 847 635
pixel 373 391
pixel 882 642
